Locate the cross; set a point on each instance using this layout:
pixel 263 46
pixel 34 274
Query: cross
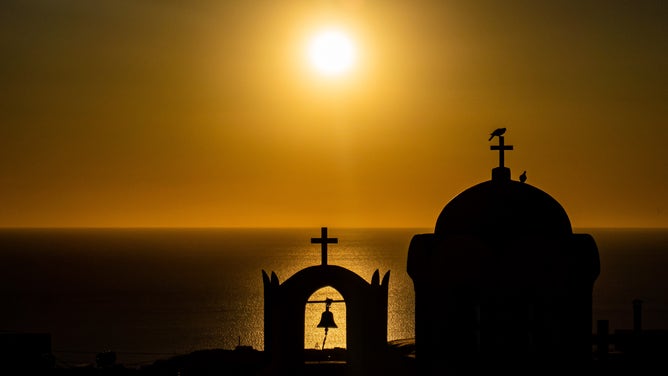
pixel 323 240
pixel 501 148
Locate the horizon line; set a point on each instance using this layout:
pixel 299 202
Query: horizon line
pixel 282 227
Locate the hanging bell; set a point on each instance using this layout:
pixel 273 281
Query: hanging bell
pixel 327 318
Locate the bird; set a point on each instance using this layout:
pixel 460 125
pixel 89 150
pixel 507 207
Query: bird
pixel 523 177
pixel 497 132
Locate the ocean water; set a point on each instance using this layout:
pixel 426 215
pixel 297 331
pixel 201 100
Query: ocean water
pixel 151 293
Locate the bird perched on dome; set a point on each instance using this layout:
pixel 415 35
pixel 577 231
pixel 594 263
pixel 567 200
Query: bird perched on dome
pixel 523 177
pixel 497 132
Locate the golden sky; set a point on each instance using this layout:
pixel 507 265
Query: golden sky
pixel 204 113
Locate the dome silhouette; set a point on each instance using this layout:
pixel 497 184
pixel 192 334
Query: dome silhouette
pixel 500 207
pixel 503 283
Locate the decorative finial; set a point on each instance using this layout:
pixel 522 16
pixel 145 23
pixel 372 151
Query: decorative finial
pixel 523 177
pixel 501 172
pixel 501 147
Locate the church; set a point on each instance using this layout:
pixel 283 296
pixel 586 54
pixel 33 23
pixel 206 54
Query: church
pixel 502 283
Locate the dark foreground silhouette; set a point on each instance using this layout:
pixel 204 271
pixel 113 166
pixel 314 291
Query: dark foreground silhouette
pixel 240 361
pixel 623 352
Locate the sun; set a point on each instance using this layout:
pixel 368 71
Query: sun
pixel 332 52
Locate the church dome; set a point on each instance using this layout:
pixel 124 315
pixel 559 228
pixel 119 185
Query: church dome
pixel 501 207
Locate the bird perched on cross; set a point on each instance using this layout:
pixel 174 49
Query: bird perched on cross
pixel 497 132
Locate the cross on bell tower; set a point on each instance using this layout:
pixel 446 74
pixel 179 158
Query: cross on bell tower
pixel 323 240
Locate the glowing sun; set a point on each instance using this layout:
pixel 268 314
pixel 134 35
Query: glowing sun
pixel 332 52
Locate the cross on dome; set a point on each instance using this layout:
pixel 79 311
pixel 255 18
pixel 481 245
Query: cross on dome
pixel 501 147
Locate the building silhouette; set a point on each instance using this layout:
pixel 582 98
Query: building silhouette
pixel 502 283
pixel 366 315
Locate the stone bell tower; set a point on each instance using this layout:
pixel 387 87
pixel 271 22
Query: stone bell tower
pixel 503 283
pixel 366 315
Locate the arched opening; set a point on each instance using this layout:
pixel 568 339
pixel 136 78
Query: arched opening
pixel 318 345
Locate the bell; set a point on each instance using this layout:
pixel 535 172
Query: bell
pixel 327 320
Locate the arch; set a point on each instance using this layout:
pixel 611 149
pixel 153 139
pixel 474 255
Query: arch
pixel 307 281
pixel 316 337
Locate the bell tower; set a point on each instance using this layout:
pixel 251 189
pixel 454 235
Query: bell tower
pixel 366 314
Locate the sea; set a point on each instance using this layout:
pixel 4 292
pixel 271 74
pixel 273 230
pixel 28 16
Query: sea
pixel 152 293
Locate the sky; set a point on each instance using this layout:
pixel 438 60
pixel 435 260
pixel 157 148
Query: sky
pixel 119 113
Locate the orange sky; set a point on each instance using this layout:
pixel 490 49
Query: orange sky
pixel 167 113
